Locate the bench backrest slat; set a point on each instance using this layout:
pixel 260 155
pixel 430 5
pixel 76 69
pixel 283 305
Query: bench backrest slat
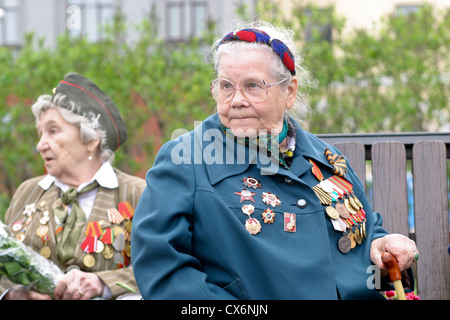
pixel 388 154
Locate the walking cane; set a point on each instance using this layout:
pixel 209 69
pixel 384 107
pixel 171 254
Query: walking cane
pixel 394 274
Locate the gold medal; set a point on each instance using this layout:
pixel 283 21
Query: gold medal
pixel 88 261
pixel 358 237
pixel 353 203
pixel 108 252
pixel 46 252
pixel 349 207
pixel 357 201
pixel 128 224
pixel 128 250
pixel 351 236
pixel 332 212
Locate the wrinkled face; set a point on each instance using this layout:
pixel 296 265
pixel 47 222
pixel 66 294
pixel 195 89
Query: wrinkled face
pixel 241 115
pixel 60 146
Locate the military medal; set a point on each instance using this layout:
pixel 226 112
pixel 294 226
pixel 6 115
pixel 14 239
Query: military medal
pixel 246 195
pixel 268 216
pixel 108 252
pixel 89 261
pixel 250 182
pixel 271 199
pixel 332 212
pixel 251 224
pixel 17 226
pixel 46 252
pixel 344 244
pixel 343 212
pixel 289 222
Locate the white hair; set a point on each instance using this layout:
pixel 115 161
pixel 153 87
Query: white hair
pixel 276 67
pixel 88 123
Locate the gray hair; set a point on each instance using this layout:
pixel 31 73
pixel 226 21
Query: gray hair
pixel 88 123
pixel 276 67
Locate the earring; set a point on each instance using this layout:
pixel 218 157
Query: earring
pixel 90 158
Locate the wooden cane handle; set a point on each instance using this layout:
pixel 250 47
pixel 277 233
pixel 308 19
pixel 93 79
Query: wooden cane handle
pixel 392 266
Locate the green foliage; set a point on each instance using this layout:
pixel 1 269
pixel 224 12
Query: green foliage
pixel 395 78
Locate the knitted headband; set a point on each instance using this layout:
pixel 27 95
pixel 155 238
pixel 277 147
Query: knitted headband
pixel 259 36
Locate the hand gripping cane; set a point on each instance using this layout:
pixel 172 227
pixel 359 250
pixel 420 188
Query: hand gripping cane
pixel 394 274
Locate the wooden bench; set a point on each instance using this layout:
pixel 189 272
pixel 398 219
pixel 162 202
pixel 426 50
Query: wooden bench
pixel 390 156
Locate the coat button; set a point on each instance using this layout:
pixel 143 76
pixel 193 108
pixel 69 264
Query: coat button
pixel 288 181
pixel 301 203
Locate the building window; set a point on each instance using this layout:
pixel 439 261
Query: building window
pixel 9 23
pixel 88 17
pixel 185 19
pixel 408 9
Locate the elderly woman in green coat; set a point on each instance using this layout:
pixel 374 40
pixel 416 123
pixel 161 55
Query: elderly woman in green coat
pixel 248 205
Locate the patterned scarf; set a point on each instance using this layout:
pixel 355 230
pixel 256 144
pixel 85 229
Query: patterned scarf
pixel 269 144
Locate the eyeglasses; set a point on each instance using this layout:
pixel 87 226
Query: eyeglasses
pixel 254 90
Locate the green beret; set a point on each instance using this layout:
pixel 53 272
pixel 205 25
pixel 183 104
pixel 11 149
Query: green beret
pixel 85 94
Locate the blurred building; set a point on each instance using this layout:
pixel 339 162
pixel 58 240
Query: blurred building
pixel 177 19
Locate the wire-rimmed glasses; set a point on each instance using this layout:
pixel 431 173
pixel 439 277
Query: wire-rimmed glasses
pixel 254 90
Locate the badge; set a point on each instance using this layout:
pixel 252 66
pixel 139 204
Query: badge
pixel 17 226
pixel 248 209
pixel 42 231
pixel 271 199
pixel 344 244
pixel 89 261
pixel 29 210
pixel 332 212
pixel 108 252
pixel 246 195
pixel 46 252
pixel 349 207
pixel 289 222
pixel 343 212
pixel 253 226
pixel 250 182
pixel 268 216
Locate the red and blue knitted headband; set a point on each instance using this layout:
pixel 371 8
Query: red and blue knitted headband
pixel 259 36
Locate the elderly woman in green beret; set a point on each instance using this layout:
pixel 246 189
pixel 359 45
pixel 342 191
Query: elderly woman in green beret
pixel 79 214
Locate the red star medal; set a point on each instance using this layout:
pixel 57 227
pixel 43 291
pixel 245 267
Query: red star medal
pixel 246 195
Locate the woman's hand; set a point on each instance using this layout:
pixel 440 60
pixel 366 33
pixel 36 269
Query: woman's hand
pixel 79 285
pixel 403 248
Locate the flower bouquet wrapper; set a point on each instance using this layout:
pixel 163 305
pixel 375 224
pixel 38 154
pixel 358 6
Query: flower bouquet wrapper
pixel 24 266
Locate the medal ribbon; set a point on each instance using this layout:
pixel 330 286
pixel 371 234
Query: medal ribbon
pixel 341 183
pixel 316 171
pixel 338 162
